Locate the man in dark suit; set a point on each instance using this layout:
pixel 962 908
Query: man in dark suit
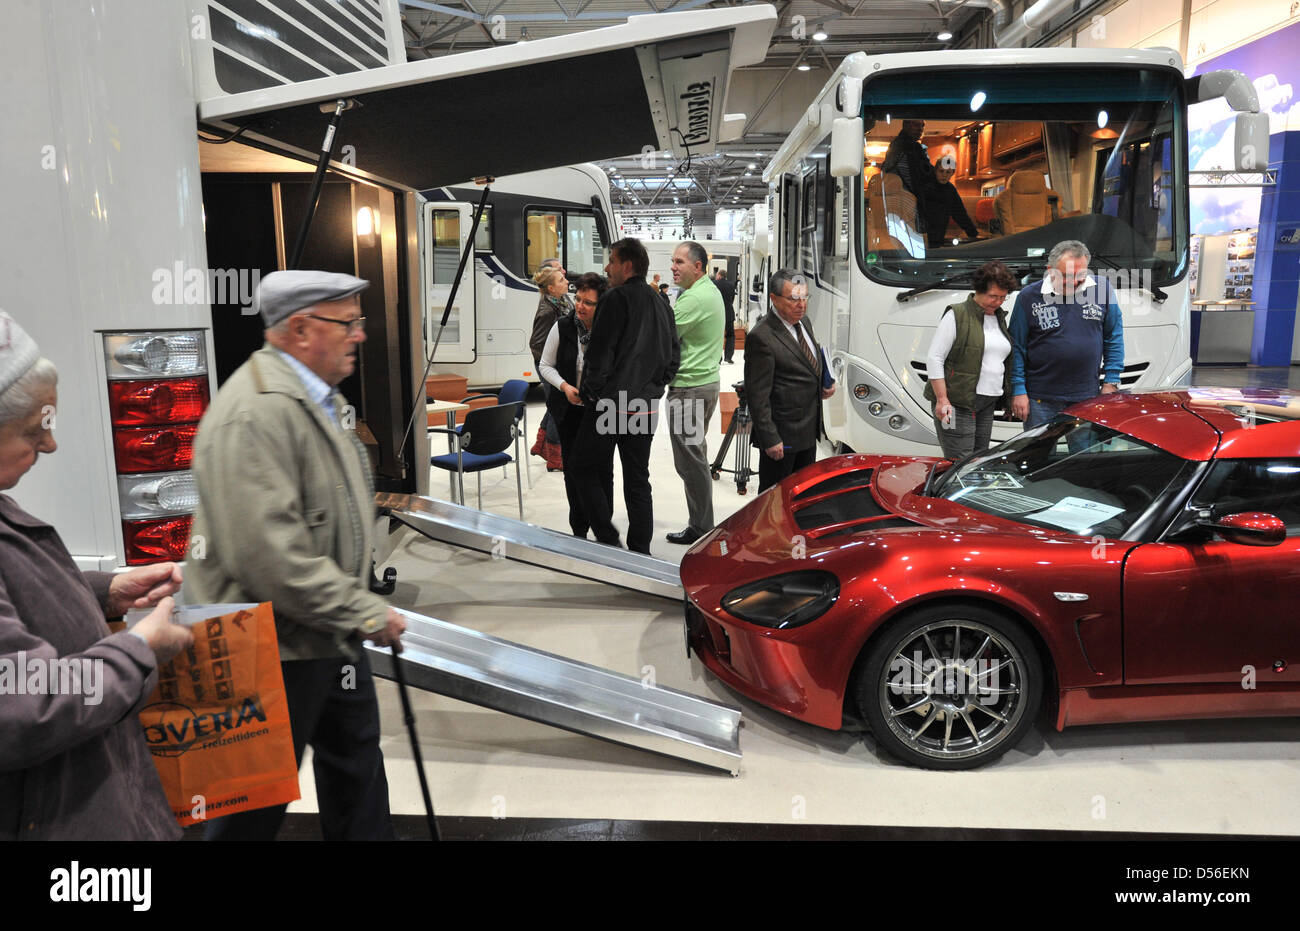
pixel 633 354
pixel 728 289
pixel 784 381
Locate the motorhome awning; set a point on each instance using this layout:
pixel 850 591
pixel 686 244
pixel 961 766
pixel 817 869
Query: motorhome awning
pixel 658 82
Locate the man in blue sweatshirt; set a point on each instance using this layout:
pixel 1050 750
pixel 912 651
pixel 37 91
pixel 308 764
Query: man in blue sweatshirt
pixel 1064 329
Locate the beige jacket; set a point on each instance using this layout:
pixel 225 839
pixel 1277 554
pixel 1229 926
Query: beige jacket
pixel 286 508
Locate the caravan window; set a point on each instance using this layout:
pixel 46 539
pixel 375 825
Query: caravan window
pixel 445 259
pixel 572 236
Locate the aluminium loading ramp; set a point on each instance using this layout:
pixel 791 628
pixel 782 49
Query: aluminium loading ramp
pixel 527 543
pixel 471 666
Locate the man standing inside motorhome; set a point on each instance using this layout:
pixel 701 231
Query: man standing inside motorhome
pixel 633 354
pixel 693 394
pixel 286 507
pixel 1064 330
pixel 906 157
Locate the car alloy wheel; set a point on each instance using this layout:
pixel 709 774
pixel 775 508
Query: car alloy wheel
pixel 950 687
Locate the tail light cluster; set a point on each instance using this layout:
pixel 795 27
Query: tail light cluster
pixel 157 393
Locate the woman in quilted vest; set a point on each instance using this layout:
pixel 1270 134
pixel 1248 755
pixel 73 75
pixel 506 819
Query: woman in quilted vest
pixel 967 364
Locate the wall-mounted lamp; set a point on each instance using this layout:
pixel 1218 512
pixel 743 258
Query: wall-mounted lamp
pixel 367 222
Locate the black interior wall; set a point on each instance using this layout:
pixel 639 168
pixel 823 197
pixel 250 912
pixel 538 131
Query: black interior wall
pixel 241 234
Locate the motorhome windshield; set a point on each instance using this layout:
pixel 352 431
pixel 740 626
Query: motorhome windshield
pixel 967 165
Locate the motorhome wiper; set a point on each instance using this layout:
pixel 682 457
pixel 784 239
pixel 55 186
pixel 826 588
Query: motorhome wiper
pixel 1155 292
pixel 903 296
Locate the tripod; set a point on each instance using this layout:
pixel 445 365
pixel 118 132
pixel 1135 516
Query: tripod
pixel 739 432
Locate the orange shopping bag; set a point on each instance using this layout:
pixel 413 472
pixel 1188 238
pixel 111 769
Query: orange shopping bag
pixel 218 723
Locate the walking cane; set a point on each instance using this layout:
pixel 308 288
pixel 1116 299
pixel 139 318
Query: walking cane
pixel 409 716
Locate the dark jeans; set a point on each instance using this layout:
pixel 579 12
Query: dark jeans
pixel 568 428
pixel 729 336
pixel 342 725
pixel 771 471
pixel 971 428
pixel 593 458
pixel 1041 412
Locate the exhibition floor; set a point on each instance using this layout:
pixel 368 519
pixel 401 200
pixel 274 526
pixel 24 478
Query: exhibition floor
pixel 495 776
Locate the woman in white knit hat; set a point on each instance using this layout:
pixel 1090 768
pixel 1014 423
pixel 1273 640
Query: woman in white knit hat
pixel 73 760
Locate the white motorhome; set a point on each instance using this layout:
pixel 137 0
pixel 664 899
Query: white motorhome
pixel 559 213
pixel 168 166
pixel 1050 145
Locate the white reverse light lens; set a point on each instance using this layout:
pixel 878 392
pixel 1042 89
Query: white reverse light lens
pixel 145 496
pixel 176 353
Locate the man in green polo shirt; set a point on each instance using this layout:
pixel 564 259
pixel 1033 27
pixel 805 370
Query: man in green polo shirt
pixel 693 394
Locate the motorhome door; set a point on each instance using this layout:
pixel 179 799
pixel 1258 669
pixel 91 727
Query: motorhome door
pixel 445 229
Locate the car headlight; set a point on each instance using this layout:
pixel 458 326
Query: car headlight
pixel 784 601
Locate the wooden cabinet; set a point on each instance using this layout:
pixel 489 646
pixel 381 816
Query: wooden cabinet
pixel 1010 138
pixel 984 152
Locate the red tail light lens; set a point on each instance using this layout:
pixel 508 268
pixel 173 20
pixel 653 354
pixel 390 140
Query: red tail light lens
pixel 153 540
pixel 145 403
pixel 155 449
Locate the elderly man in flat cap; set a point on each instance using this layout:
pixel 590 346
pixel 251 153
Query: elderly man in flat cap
pixel 285 515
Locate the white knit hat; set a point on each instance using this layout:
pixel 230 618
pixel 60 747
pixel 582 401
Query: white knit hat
pixel 18 351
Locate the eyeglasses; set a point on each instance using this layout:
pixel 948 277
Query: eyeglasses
pixel 585 303
pixel 354 325
pixel 794 298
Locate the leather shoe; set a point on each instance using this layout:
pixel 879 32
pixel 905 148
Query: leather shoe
pixel 685 537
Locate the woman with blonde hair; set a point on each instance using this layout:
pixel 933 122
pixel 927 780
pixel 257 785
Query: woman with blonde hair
pixel 553 304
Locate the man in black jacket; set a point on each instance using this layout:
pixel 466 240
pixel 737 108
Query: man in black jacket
pixel 943 202
pixel 784 382
pixel 728 289
pixel 632 355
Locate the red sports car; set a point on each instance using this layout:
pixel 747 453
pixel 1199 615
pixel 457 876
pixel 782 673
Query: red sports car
pixel 1135 559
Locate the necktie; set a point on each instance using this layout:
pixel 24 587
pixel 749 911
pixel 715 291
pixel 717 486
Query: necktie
pixel 807 350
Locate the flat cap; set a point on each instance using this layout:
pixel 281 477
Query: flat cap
pixel 280 294
pixel 18 351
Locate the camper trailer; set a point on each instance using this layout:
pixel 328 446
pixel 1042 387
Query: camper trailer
pixel 1049 145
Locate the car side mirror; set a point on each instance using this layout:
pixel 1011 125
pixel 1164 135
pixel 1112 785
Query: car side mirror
pixel 1249 528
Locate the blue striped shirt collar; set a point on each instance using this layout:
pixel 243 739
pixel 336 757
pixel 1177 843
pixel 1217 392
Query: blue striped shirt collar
pixel 317 388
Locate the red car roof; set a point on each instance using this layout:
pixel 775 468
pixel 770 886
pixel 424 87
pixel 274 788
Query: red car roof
pixel 1253 422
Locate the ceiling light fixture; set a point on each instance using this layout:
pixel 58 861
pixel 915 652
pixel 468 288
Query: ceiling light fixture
pixel 944 36
pixel 804 67
pixel 819 35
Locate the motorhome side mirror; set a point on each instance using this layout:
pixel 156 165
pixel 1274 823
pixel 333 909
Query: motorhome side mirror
pixel 1251 142
pixel 1249 528
pixel 846 147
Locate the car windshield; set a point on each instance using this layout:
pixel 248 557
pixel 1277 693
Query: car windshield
pixel 1069 474
pixel 1028 157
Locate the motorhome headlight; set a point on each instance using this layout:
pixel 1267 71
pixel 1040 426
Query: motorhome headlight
pixel 861 391
pixel 897 422
pixel 876 407
pixel 784 601
pixel 144 496
pixel 130 355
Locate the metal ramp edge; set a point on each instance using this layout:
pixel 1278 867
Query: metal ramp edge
pixel 474 667
pixel 506 537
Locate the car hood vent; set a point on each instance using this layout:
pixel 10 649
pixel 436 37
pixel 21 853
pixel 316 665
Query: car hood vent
pixel 854 478
pixel 852 505
pixel 883 524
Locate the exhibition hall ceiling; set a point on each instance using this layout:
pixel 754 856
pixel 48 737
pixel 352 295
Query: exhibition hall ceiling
pixel 810 40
